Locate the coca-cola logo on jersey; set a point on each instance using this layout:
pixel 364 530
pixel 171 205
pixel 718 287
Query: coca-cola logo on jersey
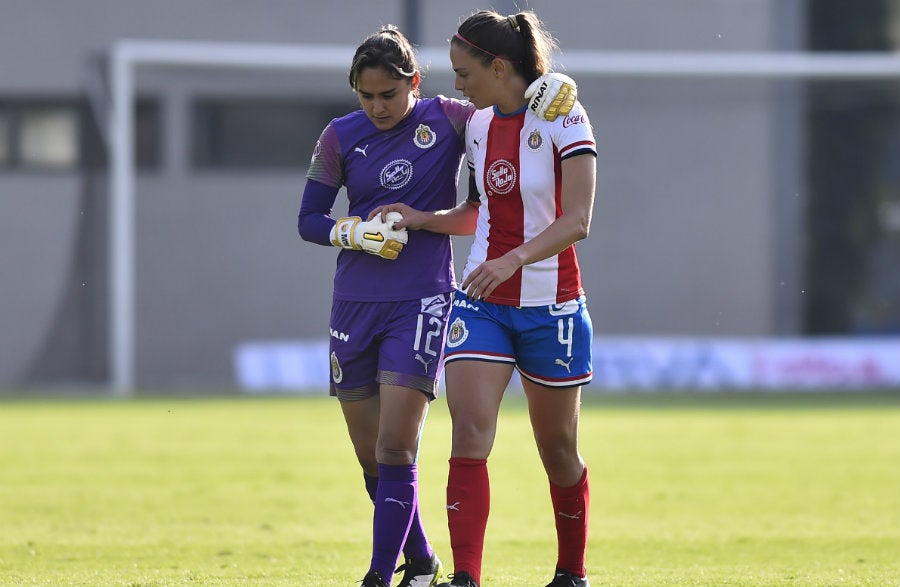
pixel 570 120
pixel 500 177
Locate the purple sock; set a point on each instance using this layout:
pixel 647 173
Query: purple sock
pixel 417 545
pixel 395 504
pixel 371 485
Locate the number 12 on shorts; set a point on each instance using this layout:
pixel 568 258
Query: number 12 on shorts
pixel 435 333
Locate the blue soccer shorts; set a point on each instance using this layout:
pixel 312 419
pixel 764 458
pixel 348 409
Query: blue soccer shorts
pixel 392 343
pixel 550 345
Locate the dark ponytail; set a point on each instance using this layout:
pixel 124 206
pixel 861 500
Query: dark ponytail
pixel 519 38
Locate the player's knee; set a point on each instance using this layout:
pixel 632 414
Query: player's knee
pixel 396 456
pixel 560 452
pixel 471 439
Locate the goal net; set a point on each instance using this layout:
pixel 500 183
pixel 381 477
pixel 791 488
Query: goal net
pixel 702 184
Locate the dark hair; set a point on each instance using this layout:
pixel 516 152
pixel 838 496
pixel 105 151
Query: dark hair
pixel 521 38
pixel 387 49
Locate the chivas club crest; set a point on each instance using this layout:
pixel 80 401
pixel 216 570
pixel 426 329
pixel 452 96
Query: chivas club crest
pixel 535 141
pixel 458 333
pixel 425 137
pixel 337 374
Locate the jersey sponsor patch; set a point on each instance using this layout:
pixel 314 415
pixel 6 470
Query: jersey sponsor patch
pixel 573 119
pixel 463 303
pixel 500 177
pixel 339 335
pixel 396 174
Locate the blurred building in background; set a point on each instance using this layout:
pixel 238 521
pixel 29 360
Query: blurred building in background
pixel 701 225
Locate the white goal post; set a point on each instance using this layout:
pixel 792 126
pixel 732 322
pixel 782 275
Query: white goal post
pixel 128 55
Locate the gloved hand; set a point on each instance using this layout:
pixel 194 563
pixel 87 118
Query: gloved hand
pixel 372 236
pixel 552 94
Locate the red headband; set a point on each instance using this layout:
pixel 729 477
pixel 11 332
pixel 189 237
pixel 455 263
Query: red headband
pixel 471 44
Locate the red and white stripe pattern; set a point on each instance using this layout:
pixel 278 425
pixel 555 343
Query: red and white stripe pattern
pixel 517 162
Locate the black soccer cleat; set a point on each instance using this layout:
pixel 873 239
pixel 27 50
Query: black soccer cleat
pixel 374 579
pixel 460 579
pixel 421 572
pixel 567 579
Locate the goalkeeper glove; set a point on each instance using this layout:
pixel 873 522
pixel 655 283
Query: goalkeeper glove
pixel 372 236
pixel 551 94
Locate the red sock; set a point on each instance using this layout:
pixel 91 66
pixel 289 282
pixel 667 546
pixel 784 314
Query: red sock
pixel 570 508
pixel 468 506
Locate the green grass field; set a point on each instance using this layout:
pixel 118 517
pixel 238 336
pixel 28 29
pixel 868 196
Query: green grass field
pixel 689 491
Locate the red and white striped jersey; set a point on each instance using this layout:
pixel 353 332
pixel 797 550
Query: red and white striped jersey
pixel 517 163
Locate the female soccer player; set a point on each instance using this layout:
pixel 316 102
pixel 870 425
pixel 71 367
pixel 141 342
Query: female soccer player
pixel 392 291
pixel 521 303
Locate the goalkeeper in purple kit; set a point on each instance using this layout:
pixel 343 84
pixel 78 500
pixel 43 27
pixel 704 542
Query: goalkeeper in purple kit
pixel 392 289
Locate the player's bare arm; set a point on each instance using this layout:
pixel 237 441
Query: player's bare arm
pixel 578 185
pixel 460 220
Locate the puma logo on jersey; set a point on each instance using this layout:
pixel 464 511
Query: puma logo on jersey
pixel 454 507
pixel 566 364
pixel 363 150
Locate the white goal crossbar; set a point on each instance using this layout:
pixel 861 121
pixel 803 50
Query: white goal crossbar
pixel 127 55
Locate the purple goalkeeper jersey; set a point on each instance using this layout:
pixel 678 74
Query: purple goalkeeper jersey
pixel 417 163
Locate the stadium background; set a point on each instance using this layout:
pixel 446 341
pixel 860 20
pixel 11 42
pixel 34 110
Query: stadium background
pixel 750 209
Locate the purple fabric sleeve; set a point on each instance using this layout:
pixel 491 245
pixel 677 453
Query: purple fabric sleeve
pixel 314 222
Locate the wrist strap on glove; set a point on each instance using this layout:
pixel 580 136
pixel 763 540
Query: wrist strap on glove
pixel 343 233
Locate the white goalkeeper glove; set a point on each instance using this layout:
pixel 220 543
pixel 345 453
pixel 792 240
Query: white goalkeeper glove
pixel 372 236
pixel 551 94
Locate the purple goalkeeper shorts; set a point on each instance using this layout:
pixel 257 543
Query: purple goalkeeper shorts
pixel 392 343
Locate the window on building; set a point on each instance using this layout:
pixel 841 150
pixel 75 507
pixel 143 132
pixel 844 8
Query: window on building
pixel 48 137
pixel 57 135
pixel 258 133
pixel 147 134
